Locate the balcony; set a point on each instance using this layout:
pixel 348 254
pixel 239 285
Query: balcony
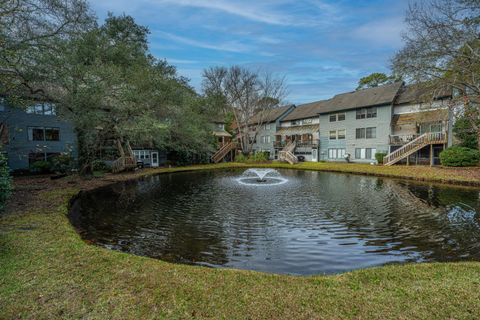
pixel 400 140
pixel 299 144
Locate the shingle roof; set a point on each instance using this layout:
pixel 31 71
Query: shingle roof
pixel 308 110
pixel 362 98
pixel 416 94
pixel 270 115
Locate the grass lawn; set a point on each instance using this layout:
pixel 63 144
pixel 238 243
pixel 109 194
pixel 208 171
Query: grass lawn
pixel 48 272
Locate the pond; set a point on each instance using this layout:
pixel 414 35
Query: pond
pixel 303 223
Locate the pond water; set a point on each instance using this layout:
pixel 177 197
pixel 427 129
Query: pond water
pixel 313 223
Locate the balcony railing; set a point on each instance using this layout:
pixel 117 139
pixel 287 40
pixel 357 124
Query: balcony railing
pixel 299 143
pixel 399 140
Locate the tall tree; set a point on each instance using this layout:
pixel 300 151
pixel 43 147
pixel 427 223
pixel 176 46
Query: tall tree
pixel 28 29
pixel 374 80
pixel 249 95
pixel 442 52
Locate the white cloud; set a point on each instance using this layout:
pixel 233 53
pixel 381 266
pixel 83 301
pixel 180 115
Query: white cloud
pixel 229 46
pixel 382 32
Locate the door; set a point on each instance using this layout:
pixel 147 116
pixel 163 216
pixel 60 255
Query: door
pixel 154 159
pixel 314 155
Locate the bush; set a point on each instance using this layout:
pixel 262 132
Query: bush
pixel 253 158
pixel 40 166
pixel 62 163
pixel 100 165
pixel 241 158
pixel 379 156
pixel 5 181
pixel 459 157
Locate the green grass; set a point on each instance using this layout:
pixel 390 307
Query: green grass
pixel 48 272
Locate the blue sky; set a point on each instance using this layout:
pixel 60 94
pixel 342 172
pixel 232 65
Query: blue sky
pixel 321 47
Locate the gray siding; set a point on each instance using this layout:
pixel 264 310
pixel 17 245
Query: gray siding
pixel 259 145
pixel 350 124
pixel 19 146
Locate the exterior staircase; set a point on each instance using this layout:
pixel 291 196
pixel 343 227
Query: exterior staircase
pixel 424 140
pixel 124 163
pixel 223 151
pixel 286 154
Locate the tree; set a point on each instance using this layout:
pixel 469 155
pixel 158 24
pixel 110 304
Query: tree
pixel 28 29
pixel 442 53
pixel 250 96
pixel 465 133
pixel 374 80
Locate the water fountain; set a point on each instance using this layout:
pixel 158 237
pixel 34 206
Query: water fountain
pixel 261 177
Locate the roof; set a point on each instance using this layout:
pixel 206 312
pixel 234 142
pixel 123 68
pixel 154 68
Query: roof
pixel 417 94
pixel 308 110
pixel 423 116
pixel 381 95
pixel 221 134
pixel 270 115
pixel 311 128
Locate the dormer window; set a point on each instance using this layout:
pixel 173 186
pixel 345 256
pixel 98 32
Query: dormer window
pixel 44 108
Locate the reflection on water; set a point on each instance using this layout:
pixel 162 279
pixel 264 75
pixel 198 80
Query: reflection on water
pixel 315 223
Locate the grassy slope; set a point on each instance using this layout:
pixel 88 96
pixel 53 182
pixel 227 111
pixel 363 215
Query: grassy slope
pixel 47 271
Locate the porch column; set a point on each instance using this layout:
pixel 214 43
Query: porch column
pixel 431 155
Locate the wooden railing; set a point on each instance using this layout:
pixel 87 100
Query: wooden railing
pixel 298 143
pixel 123 163
pixel 402 139
pixel 415 145
pixel 287 156
pixel 287 153
pixel 223 151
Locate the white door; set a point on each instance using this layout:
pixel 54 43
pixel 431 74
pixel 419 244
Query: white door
pixel 154 158
pixel 314 155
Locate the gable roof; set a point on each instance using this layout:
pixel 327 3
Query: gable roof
pixel 307 110
pixel 270 115
pixel 382 95
pixel 418 94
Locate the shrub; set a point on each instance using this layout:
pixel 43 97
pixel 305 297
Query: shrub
pixel 252 158
pixel 258 157
pixel 459 157
pixel 100 165
pixel 40 166
pixel 62 163
pixel 379 156
pixel 241 158
pixel 5 181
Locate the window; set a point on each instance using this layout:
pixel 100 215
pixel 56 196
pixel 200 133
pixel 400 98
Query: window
pixel 361 114
pixel 365 153
pixel 307 121
pixel 337 117
pixel 294 122
pixel 44 108
pixel 52 134
pixel 364 113
pixel 366 133
pixel 220 126
pixel 360 133
pixel 43 134
pixel 336 153
pixel 333 135
pixel 341 134
pixel 266 126
pixel 371 133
